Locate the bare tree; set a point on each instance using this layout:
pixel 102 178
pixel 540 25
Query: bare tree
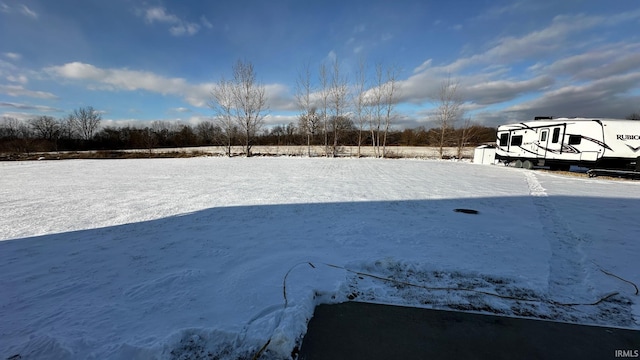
pixel 250 103
pixel 389 96
pixel 223 107
pixel 308 124
pixel 338 95
pixel 67 129
pixel 85 121
pixel 448 109
pixel 18 134
pixel 360 104
pixel 10 128
pixel 377 97
pixel 324 105
pixel 242 101
pixel 308 120
pixel 149 138
pixel 466 132
pixel 207 132
pixel 45 127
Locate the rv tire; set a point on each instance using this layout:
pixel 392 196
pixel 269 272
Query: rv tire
pixel 527 165
pixel 518 163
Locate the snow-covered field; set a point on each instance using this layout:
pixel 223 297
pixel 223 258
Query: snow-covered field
pixel 216 257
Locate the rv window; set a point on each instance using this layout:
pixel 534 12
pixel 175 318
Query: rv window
pixel 574 139
pixel 543 136
pixel 504 139
pixel 556 135
pixel 516 140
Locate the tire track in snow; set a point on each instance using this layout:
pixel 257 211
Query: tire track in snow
pixel 567 265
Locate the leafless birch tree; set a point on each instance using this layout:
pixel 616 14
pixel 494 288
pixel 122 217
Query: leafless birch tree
pixel 360 104
pixel 389 95
pixel 338 98
pixel 382 101
pixel 222 105
pixel 448 109
pixel 324 105
pixel 309 119
pixel 242 102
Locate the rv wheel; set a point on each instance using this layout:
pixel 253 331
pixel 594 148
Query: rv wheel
pixel 527 165
pixel 518 163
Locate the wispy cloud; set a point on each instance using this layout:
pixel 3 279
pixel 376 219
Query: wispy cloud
pixel 21 79
pixel 19 90
pixel 184 29
pixel 25 10
pixel 21 9
pixel 159 14
pixel 205 22
pixel 180 110
pixel 29 107
pixel 12 56
pixel 177 26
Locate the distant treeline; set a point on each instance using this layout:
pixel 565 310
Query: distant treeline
pixel 75 133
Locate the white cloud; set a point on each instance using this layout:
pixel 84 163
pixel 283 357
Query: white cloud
pixel 205 22
pixel 596 98
pixel 331 56
pixel 497 91
pixel 597 63
pixel 423 66
pixel 12 56
pixel 29 107
pixel 21 79
pixel 24 9
pixel 197 95
pixel 19 90
pixel 20 116
pixel 159 14
pixel 178 27
pixel 182 29
pixel 119 79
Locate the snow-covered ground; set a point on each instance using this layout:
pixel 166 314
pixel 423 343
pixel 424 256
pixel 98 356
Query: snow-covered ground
pixel 215 257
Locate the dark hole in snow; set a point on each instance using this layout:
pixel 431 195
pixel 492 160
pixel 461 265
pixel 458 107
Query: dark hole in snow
pixel 466 211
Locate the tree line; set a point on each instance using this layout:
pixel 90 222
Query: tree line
pixel 46 133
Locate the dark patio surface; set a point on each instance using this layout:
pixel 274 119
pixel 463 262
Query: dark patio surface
pixel 355 330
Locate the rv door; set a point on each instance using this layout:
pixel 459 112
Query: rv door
pixel 554 144
pixel 543 143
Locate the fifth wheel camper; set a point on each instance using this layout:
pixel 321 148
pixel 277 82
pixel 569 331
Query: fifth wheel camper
pixel 559 143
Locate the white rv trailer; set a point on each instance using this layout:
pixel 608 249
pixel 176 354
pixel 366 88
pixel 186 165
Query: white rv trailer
pixel 561 142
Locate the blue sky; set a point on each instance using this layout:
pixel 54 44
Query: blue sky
pixel 140 61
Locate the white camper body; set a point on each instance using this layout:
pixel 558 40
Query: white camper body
pixel 562 142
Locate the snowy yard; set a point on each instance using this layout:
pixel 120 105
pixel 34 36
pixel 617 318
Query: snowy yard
pixel 177 258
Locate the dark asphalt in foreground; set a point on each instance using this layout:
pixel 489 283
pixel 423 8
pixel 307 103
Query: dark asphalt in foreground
pixel 355 330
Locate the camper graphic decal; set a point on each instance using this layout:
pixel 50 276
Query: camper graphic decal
pixel 570 149
pixel 597 142
pixel 635 149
